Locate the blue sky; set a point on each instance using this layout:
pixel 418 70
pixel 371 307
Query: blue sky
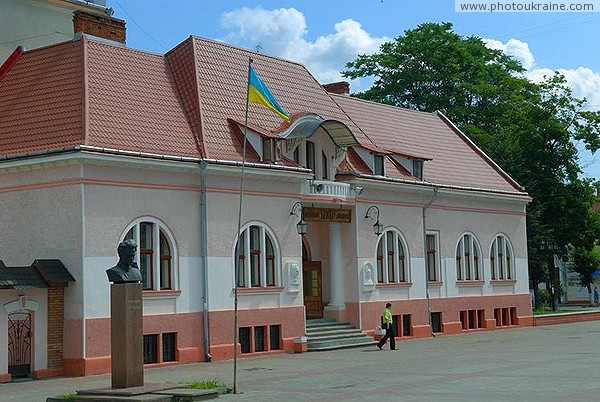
pixel 323 35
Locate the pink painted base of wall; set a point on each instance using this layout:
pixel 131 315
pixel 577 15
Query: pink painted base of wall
pixel 102 365
pixel 288 345
pixel 421 331
pixel 89 366
pixel 45 373
pixel 452 327
pixel 5 378
pixel 525 321
pixel 449 309
pixel 301 347
pixel 190 355
pixel 224 352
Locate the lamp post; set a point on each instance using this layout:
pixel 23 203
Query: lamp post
pixel 377 226
pixel 301 226
pixel 551 246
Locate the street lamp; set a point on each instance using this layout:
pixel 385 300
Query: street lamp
pixel 377 226
pixel 551 246
pixel 301 226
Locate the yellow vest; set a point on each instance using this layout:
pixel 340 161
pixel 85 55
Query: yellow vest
pixel 387 316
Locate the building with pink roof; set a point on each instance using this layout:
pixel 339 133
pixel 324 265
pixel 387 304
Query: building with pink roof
pixel 100 143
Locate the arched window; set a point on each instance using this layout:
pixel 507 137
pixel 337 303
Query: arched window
pixel 256 258
pixel 468 261
pixel 501 258
pixel 155 253
pixel 392 262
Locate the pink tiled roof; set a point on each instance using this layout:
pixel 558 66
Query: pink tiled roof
pixel 454 160
pixel 133 103
pixel 91 93
pixel 222 76
pixel 41 100
pixel 186 103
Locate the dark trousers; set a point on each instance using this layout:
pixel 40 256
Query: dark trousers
pixel 389 334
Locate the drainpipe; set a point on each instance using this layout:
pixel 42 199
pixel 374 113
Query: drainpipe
pixel 204 259
pixel 427 205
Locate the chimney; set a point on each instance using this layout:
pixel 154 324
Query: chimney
pixel 99 25
pixel 341 88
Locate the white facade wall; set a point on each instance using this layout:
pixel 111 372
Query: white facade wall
pixel 267 202
pixel 450 216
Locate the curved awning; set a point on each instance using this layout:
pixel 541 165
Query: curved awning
pixel 305 126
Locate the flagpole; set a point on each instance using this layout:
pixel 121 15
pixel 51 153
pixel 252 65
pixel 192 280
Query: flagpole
pixel 237 261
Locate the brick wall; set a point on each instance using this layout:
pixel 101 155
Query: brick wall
pixel 100 26
pixel 55 327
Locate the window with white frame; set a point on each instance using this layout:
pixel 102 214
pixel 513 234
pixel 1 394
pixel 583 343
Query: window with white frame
pixel 392 261
pixel 156 254
pixel 432 261
pixel 468 261
pixel 501 258
pixel 256 258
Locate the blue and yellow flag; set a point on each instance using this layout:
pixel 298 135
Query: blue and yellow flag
pixel 259 93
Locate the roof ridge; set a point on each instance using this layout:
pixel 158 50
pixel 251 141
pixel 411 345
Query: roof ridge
pixel 85 102
pixel 401 108
pixel 217 42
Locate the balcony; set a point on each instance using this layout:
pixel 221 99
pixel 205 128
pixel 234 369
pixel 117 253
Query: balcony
pixel 330 189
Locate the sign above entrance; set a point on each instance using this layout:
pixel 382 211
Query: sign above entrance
pixel 312 214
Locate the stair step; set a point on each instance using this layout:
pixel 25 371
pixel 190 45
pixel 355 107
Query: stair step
pixel 331 329
pixel 328 324
pixel 319 321
pixel 328 334
pixel 332 345
pixel 336 337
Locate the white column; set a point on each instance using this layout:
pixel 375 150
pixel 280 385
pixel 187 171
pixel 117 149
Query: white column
pixel 336 273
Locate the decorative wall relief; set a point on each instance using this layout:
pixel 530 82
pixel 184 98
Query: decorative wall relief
pixel 293 271
pixel 368 277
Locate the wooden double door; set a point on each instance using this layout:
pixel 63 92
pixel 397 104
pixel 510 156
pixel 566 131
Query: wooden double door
pixel 313 295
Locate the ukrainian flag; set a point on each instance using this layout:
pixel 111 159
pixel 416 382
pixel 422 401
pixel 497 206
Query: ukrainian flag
pixel 259 93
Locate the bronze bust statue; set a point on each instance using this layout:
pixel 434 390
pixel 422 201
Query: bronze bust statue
pixel 126 270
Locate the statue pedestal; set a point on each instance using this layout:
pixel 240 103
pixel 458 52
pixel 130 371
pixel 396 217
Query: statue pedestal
pixel 126 335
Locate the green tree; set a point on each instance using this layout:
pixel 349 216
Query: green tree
pixel 585 263
pixel 529 129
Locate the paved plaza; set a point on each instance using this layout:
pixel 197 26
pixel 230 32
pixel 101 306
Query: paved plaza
pixel 551 363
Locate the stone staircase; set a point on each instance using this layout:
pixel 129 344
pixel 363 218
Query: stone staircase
pixel 328 334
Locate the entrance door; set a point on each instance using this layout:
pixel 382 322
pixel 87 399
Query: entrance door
pixel 311 278
pixel 19 344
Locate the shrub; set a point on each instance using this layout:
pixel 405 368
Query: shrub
pixel 205 384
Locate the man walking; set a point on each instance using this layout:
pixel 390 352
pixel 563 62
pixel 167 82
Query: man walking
pixel 389 330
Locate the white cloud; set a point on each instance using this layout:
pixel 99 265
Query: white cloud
pixel 584 83
pixel 515 48
pixel 281 32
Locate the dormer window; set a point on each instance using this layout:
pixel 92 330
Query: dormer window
pixel 417 169
pixel 270 152
pixel 378 165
